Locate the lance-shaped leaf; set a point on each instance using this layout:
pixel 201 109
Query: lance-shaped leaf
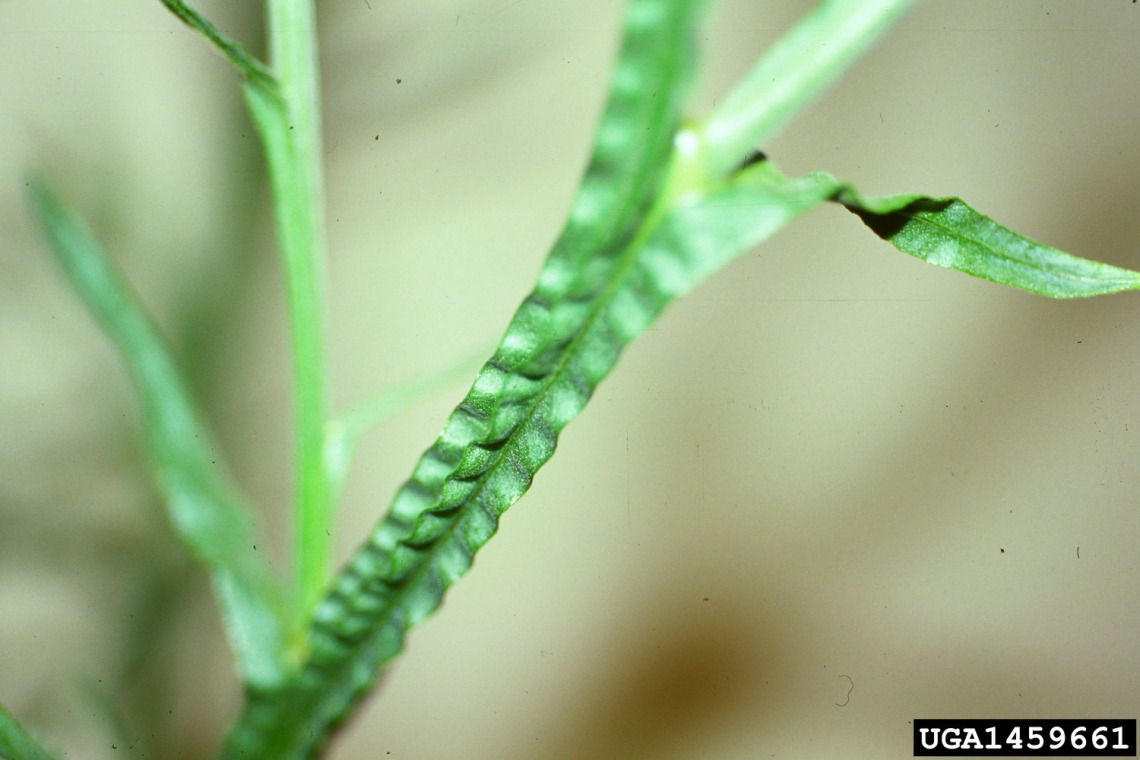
pixel 565 338
pixel 635 241
pixel 16 743
pixel 947 232
pixel 207 514
pixel 560 343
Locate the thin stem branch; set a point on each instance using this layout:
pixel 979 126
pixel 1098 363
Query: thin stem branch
pixel 297 177
pixel 801 65
pixel 249 66
pixel 344 433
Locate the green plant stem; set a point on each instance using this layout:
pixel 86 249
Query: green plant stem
pixel 296 175
pixel 249 66
pixel 802 64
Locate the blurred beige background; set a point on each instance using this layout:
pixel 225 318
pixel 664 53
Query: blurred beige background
pixel 834 490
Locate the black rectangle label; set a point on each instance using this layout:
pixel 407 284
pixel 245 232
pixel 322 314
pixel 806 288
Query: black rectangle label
pixel 1025 738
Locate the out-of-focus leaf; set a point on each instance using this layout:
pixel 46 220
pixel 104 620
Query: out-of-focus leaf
pixel 16 743
pixel 208 515
pixel 251 68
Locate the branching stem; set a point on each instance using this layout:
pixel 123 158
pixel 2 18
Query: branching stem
pixel 795 70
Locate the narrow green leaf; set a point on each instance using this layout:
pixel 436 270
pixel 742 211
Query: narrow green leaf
pixel 207 514
pixel 801 65
pixel 948 233
pixel 562 341
pixel 941 231
pixel 16 743
pixel 251 68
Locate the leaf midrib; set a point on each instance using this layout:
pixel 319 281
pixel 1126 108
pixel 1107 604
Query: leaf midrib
pixel 625 262
pixel 1069 274
pixel 427 554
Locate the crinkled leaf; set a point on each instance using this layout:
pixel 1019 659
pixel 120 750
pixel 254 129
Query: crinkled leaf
pixel 636 239
pixel 16 743
pixel 942 231
pixel 208 515
pixel 947 232
pixel 593 295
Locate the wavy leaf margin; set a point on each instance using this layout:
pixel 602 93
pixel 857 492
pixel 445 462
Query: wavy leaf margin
pixel 539 378
pixel 637 239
